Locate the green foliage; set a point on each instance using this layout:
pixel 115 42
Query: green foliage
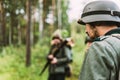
pixel 12 60
pixel 12 63
pixel 65 33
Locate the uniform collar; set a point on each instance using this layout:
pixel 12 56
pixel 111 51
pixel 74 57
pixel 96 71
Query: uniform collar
pixel 114 31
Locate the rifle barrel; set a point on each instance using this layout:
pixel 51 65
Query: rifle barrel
pixel 46 65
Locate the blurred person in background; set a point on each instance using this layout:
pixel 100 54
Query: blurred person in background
pixel 58 63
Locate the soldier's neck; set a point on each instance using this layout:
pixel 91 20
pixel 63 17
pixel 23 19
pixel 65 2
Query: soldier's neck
pixel 102 30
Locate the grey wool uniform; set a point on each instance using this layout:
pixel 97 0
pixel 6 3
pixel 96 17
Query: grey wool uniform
pixel 102 60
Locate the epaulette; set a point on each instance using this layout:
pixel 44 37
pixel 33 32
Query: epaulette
pixel 101 38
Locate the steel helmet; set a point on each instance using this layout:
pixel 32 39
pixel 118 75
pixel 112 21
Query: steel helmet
pixel 57 34
pixel 100 11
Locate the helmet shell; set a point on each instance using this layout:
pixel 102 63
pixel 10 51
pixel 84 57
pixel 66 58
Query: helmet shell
pixel 57 34
pixel 99 6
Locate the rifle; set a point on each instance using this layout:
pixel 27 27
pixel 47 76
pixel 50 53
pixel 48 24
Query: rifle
pixel 54 52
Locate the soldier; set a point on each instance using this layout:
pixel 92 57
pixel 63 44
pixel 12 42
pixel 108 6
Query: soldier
pixel 102 60
pixel 59 62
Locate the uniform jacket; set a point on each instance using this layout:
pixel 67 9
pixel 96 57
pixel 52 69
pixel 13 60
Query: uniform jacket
pixel 64 57
pixel 102 60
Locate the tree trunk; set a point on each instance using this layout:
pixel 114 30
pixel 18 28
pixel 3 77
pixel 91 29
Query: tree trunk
pixel 3 27
pixel 19 34
pixel 40 19
pixel 28 51
pixel 59 14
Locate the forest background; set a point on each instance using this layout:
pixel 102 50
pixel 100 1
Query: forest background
pixel 26 28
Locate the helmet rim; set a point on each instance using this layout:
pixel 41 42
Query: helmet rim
pixel 96 18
